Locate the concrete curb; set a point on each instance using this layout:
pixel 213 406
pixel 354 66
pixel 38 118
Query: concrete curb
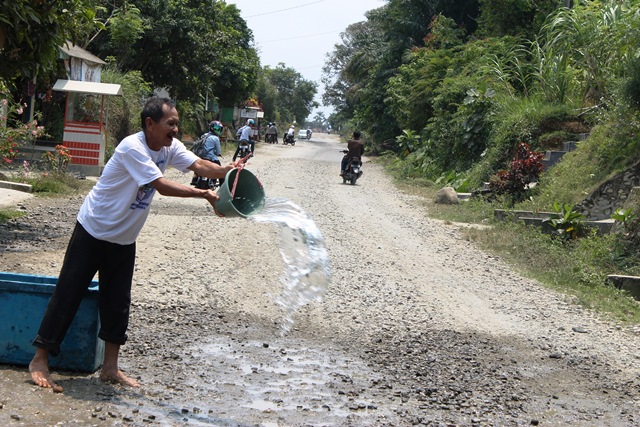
pixel 26 188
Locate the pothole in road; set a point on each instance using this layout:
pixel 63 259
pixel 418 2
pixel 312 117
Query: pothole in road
pixel 283 377
pixel 284 382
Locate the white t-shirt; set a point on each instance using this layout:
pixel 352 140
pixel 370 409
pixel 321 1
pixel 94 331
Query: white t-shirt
pixel 291 131
pixel 118 205
pixel 246 133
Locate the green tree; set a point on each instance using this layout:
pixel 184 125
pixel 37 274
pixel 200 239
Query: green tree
pixel 124 111
pixel 295 95
pixel 319 121
pixel 360 68
pixel 522 18
pixel 189 47
pixel 32 31
pixel 267 94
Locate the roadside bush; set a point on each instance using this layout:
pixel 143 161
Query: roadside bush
pixel 513 121
pixel 569 224
pixel 13 132
pixel 124 111
pixel 524 169
pixel 58 160
pixel 57 184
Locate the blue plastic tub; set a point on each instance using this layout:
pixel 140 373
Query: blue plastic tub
pixel 23 300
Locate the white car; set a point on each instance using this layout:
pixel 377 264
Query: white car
pixel 304 134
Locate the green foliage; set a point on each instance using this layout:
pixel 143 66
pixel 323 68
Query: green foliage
pixel 631 87
pixel 7 214
pixel 525 168
pixel 459 130
pixel 57 184
pixel 359 72
pixel 408 142
pixel 623 216
pixel 126 27
pixel 595 40
pixel 514 120
pixel 31 33
pixel 188 47
pixel 13 132
pixel 58 160
pixel 569 225
pixel 124 111
pixel 514 17
pixel 629 236
pixel 458 181
pixel 291 94
pixel 444 33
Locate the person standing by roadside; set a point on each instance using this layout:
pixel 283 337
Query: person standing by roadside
pixel 104 238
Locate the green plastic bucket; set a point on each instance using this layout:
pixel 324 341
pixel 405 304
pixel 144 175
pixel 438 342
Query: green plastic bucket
pixel 247 199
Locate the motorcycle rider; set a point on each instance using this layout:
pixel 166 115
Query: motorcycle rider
pixel 245 137
pixel 290 135
pixel 355 148
pixel 212 149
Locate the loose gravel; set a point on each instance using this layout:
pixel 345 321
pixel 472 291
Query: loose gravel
pixel 418 327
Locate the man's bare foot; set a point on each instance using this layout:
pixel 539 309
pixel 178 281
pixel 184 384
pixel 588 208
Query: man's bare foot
pixel 39 369
pixel 118 377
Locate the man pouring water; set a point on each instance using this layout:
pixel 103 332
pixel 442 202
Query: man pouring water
pixel 104 239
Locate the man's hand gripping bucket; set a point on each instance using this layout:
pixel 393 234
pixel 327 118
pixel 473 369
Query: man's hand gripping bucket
pixel 241 194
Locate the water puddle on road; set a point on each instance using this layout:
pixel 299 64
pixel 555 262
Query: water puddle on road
pixel 285 380
pixel 308 270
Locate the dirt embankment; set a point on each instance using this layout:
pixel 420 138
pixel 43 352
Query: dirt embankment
pixel 418 327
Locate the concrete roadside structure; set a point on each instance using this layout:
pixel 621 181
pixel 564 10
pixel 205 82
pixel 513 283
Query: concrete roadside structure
pixel 12 193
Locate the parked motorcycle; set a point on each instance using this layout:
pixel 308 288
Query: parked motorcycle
pixel 353 171
pixel 271 138
pixel 288 139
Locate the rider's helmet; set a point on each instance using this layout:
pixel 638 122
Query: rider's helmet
pixel 216 127
pixel 251 122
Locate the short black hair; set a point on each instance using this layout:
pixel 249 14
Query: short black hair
pixel 153 109
pixel 356 134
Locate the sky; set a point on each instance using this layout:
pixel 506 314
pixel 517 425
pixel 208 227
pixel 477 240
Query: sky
pixel 300 33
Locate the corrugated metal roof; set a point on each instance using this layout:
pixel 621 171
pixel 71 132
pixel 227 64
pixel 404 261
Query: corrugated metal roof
pixel 87 87
pixel 74 51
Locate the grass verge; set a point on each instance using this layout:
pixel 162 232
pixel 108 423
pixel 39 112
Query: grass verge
pixel 576 269
pixel 47 185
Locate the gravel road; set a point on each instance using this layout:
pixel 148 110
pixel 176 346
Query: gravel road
pixel 417 328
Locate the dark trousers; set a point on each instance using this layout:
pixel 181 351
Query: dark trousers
pixel 345 162
pixel 85 256
pixel 252 145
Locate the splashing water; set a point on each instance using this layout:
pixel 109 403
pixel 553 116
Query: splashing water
pixel 307 268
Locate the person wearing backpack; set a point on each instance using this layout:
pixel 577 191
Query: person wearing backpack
pixel 207 147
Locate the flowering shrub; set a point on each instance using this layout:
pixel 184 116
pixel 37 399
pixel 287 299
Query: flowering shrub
pixel 58 160
pixel 14 133
pixel 524 169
